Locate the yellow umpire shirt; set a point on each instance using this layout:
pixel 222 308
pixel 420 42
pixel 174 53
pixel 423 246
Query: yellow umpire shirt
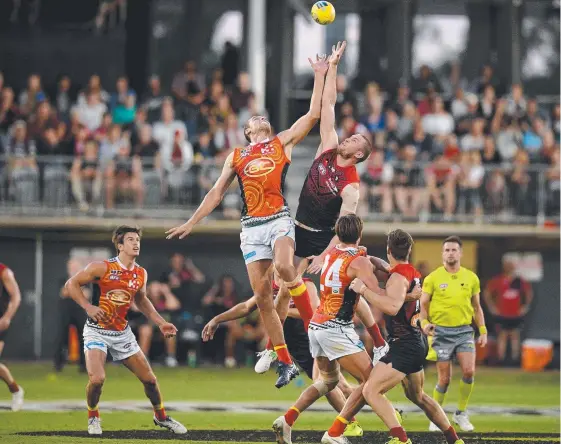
pixel 451 293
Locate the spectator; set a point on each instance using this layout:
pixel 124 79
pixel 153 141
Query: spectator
pixel 22 164
pixel 516 102
pixel 372 98
pixel 422 141
pixel 459 105
pixel 140 120
pixel 30 96
pixel 123 177
pixel 8 113
pixel 177 159
pixel 45 117
pixel 181 277
pixel 424 106
pixel 250 111
pixel 124 112
pixel 63 97
pixel 222 109
pixel 509 139
pixel 153 100
pixel 102 132
pixel 230 136
pixel 406 123
pixel 441 184
pixel 439 123
pixel 553 184
pixel 164 130
pixel 374 121
pixel 470 182
pixel 250 330
pixel 490 155
pixel 350 126
pixel 508 298
pixel 86 177
pixel 487 78
pixel 205 147
pixel 230 63
pixel 487 105
pixel 408 184
pixel 375 183
pixel 555 122
pixel 548 146
pixel 475 140
pixel 521 183
pixel 110 147
pixel 464 123
pixel 148 160
pixel 454 81
pixel 121 94
pixel 532 114
pixel 188 88
pixel 242 92
pixel 166 304
pixel 425 81
pixel 91 113
pixel 94 86
pixel 403 97
pixel 344 94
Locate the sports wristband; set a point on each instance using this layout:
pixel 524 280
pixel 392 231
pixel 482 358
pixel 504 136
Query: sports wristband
pixel 482 330
pixel 424 322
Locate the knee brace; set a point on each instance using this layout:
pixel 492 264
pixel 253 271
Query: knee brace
pixel 326 380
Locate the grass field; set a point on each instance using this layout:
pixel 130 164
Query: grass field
pixel 508 388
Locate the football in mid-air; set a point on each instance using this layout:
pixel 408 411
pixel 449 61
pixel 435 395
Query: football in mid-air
pixel 323 13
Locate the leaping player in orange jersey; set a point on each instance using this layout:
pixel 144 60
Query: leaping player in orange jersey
pixel 120 282
pixel 267 228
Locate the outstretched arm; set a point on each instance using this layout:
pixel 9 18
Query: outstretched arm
pixel 300 129
pixel 329 138
pixel 236 312
pixel 209 203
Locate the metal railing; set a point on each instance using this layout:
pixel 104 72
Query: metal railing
pixel 502 194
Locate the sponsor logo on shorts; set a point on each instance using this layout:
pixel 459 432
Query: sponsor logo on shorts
pixel 93 344
pixel 259 167
pixel 249 255
pixel 127 345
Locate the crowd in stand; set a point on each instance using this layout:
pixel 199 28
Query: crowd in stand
pixel 443 145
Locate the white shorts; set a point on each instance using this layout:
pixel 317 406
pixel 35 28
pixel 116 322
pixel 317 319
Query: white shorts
pixel 121 344
pixel 257 243
pixel 334 342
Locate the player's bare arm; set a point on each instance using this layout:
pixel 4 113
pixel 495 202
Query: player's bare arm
pixel 146 307
pixel 238 311
pixel 350 196
pixel 479 318
pixel 302 127
pixel 12 288
pixel 528 298
pixel 92 272
pixel 209 203
pixel 394 297
pixel 328 133
pixel 428 328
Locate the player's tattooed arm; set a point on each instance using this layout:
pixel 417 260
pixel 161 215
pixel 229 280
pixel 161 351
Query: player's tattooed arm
pixel 10 284
pixel 301 128
pixel 73 287
pixel 146 307
pixel 209 203
pixel 328 132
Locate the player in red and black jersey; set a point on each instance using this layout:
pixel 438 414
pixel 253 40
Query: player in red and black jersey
pixel 408 348
pixel 10 299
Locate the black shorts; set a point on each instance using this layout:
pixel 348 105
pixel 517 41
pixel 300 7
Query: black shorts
pixel 311 243
pixel 298 345
pixel 407 355
pixel 509 323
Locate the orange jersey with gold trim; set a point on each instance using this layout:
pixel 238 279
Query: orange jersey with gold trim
pixel 337 300
pixel 261 169
pixel 117 288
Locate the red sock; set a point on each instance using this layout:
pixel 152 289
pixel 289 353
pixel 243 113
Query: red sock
pixel 13 387
pixel 338 426
pixel 301 298
pixel 399 432
pixel 451 435
pixel 375 334
pixel 291 415
pixel 160 412
pixel 282 353
pixel 93 413
pixel 269 344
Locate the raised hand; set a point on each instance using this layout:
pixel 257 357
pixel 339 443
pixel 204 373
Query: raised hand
pixel 320 65
pixel 337 52
pixel 181 231
pixel 168 330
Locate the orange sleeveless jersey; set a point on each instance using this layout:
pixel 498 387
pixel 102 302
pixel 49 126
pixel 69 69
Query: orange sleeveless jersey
pixel 261 169
pixel 118 287
pixel 337 300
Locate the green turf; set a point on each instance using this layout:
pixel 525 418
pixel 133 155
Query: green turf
pixel 492 387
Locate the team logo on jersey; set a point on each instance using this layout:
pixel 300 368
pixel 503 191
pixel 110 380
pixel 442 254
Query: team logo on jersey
pixel 259 167
pixel 322 169
pixel 119 297
pixel 443 286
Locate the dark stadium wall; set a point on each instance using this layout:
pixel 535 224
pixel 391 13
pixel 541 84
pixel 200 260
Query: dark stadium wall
pixel 215 255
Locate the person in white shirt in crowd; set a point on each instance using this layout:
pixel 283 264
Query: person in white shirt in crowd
pixel 111 146
pixel 177 159
pixel 509 139
pixel 459 106
pixel 475 140
pixel 470 181
pixel 516 102
pixel 91 113
pixel 439 123
pixel 165 130
pixel 94 86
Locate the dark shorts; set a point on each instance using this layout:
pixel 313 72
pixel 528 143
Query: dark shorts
pixel 311 243
pixel 407 355
pixel 509 323
pixel 298 345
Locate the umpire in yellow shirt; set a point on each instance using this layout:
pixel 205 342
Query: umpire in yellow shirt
pixel 449 302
